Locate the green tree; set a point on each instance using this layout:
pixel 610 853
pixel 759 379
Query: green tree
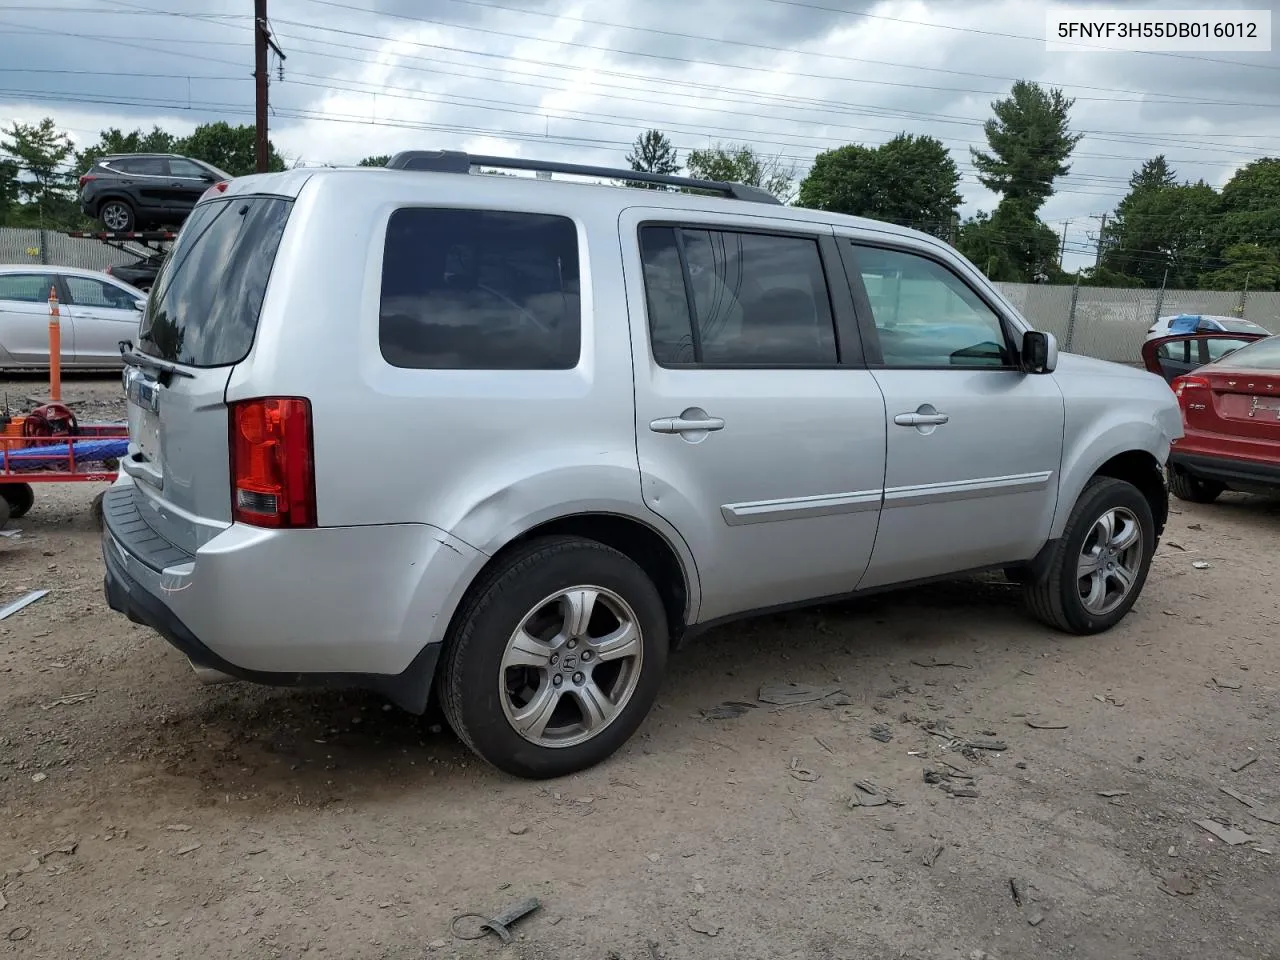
pixel 228 148
pixel 1250 206
pixel 41 151
pixel 377 160
pixel 39 193
pixel 908 180
pixel 1011 244
pixel 1247 266
pixel 1164 234
pixel 8 190
pixel 652 152
pixel 1030 141
pixel 1153 173
pixel 114 140
pixel 739 163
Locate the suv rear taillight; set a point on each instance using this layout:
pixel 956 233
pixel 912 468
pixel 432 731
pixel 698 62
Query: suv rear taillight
pixel 86 178
pixel 273 481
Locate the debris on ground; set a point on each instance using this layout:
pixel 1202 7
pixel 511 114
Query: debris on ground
pixel 932 854
pixel 1201 564
pixel 68 701
pixel 188 848
pixel 1256 808
pixel 933 662
pixel 1227 684
pixel 3 902
pixel 960 791
pixel 1247 761
pixel 700 924
pixel 1046 724
pixel 1018 888
pixel 1228 835
pixel 867 794
pixel 18 933
pixel 881 732
pixel 39 777
pixel 729 710
pixel 793 694
pixel 1111 794
pixel 995 746
pixel 19 604
pixel 518 829
pixel 1179 884
pixel 499 924
pixel 1036 919
pixel 801 772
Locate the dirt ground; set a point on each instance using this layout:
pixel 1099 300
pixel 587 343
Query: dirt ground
pixel 145 815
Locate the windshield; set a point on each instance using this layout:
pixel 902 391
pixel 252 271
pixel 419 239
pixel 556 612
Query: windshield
pixel 204 309
pixel 1259 355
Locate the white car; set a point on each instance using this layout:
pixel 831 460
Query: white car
pixel 95 311
pixel 1202 323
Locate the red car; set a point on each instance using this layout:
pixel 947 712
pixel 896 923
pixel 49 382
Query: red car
pixel 1230 412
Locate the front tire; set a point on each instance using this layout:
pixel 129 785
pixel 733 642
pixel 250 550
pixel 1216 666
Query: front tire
pixel 19 496
pixel 1192 489
pixel 1100 564
pixel 555 658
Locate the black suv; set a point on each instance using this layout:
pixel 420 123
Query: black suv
pixel 141 273
pixel 139 190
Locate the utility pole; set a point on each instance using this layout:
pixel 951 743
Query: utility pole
pixel 1062 253
pixel 1102 238
pixel 262 39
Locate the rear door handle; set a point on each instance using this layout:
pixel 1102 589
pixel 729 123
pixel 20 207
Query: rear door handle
pixel 921 419
pixel 681 425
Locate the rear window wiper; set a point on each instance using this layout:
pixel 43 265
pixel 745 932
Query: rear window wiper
pixel 135 358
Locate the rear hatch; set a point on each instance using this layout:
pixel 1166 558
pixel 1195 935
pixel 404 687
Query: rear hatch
pixel 200 322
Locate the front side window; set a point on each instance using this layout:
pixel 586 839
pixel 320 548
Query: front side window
pixel 185 168
pixel 25 287
pixel 480 290
pixel 925 315
pixel 88 292
pixel 757 299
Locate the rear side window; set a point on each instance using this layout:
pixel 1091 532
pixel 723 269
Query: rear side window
pixel 203 311
pixel 25 287
pixel 480 290
pixel 1258 355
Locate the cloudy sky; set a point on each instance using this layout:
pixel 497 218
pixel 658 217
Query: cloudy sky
pixel 566 80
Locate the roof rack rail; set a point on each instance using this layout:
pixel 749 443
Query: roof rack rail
pixel 456 161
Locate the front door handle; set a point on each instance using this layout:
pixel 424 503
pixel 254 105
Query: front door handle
pixel 682 425
pixel 921 419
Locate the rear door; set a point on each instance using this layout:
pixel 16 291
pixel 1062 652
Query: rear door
pixel 760 434
pixel 149 176
pixel 200 322
pixel 24 316
pixel 103 313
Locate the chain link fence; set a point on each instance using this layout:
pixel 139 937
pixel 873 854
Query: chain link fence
pixel 20 245
pixel 1110 323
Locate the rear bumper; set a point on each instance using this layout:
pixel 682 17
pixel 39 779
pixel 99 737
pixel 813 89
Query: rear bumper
pixel 340 606
pixel 1239 474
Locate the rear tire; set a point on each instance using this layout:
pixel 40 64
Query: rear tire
pixel 117 216
pixel 19 496
pixel 1100 564
pixel 1192 489
pixel 555 658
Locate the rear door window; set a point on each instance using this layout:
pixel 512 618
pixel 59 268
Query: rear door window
pixel 480 290
pixel 204 309
pixel 25 287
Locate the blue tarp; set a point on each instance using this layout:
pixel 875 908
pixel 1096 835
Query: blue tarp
pixel 1184 323
pixel 55 455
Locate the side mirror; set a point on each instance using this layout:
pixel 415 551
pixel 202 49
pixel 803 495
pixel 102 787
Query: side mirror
pixel 1039 352
pixel 140 305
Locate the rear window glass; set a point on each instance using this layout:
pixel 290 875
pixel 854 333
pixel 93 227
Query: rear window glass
pixel 1259 355
pixel 480 290
pixel 204 309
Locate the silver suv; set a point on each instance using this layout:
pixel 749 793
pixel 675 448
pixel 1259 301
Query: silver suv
pixel 511 441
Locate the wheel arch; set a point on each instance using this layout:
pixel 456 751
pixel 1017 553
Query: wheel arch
pixel 101 201
pixel 662 555
pixel 1130 450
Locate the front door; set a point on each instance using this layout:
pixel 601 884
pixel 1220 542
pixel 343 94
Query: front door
pixel 760 435
pixel 974 444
